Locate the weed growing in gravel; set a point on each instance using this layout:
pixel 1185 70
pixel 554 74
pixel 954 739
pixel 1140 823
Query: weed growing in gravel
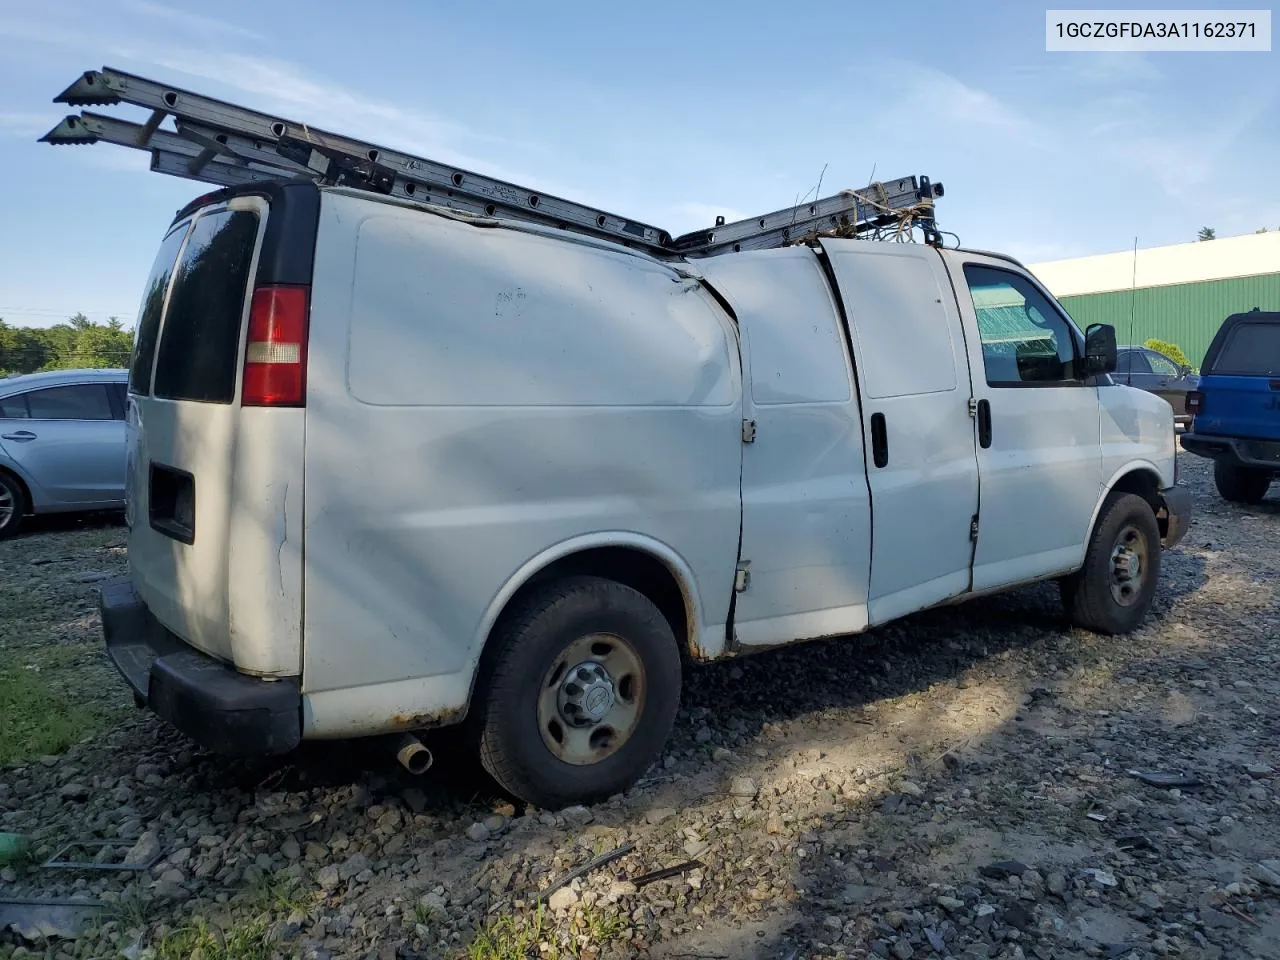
pixel 277 895
pixel 511 937
pixel 199 940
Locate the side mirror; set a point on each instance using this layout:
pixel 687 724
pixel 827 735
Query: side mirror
pixel 1099 349
pixel 1184 370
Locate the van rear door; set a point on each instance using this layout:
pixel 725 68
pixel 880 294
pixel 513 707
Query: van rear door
pixel 215 443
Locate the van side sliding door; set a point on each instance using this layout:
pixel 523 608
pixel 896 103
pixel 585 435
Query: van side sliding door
pixel 913 376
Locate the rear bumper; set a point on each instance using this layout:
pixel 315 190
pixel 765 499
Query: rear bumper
pixel 1178 507
pixel 221 709
pixel 1260 454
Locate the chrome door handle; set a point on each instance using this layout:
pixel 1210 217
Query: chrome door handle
pixel 22 436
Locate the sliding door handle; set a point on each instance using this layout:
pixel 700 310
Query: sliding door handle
pixel 879 440
pixel 984 423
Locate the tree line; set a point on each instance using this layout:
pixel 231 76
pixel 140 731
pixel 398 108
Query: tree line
pixel 76 344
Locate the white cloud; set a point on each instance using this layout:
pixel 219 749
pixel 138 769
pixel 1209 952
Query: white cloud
pixel 272 85
pixel 26 124
pixel 687 217
pixel 195 22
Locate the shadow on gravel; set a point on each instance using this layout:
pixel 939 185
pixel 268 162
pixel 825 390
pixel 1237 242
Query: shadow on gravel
pixel 1048 790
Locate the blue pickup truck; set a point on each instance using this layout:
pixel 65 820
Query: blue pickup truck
pixel 1236 410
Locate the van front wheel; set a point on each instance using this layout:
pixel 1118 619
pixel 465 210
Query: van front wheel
pixel 581 695
pixel 1112 592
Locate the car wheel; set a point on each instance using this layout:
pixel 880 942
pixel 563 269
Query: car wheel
pixel 1239 484
pixel 1112 592
pixel 581 695
pixel 12 505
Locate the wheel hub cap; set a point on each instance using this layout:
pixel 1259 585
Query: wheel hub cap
pixel 586 694
pixel 591 698
pixel 1128 566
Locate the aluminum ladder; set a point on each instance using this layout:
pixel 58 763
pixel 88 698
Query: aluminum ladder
pixel 216 142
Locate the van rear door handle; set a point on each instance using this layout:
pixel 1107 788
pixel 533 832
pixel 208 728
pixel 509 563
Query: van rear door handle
pixel 22 436
pixel 879 440
pixel 984 423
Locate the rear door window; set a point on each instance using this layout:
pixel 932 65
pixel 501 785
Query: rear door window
pixel 1251 350
pixel 200 339
pixel 82 401
pixel 144 349
pixel 13 408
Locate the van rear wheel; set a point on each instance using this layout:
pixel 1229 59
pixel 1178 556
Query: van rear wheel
pixel 1239 484
pixel 1112 592
pixel 581 695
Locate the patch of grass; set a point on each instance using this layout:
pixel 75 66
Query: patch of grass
pixel 18 604
pixel 510 937
pixel 518 937
pixel 278 895
pixel 201 940
pixel 425 914
pixel 134 911
pixel 53 697
pixel 598 929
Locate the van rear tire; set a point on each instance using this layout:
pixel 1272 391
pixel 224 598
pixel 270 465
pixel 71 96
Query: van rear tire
pixel 1239 484
pixel 581 695
pixel 1113 591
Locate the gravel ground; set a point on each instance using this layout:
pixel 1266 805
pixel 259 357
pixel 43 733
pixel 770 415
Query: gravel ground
pixel 959 785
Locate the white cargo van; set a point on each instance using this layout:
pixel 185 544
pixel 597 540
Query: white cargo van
pixel 393 469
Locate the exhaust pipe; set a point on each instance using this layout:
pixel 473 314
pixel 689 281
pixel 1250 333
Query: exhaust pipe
pixel 411 753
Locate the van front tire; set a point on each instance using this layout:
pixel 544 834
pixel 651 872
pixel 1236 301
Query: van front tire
pixel 1239 484
pixel 582 693
pixel 1113 591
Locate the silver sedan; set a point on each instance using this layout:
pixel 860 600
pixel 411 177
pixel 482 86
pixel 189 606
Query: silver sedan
pixel 62 443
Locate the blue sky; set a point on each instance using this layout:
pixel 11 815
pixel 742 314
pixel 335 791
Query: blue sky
pixel 664 111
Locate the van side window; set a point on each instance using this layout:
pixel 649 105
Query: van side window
pixel 1025 341
pixel 200 338
pixel 144 347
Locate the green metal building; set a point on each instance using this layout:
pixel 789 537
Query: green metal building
pixel 1179 293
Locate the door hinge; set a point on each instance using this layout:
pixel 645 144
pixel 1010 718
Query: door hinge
pixel 973 406
pixel 973 528
pixel 748 431
pixel 741 579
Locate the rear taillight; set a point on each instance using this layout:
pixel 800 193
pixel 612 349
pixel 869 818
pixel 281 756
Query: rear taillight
pixel 1195 402
pixel 275 357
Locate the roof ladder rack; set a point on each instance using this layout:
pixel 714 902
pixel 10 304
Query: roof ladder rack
pixel 216 142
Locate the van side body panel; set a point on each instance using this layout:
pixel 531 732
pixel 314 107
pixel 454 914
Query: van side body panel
pixel 475 396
